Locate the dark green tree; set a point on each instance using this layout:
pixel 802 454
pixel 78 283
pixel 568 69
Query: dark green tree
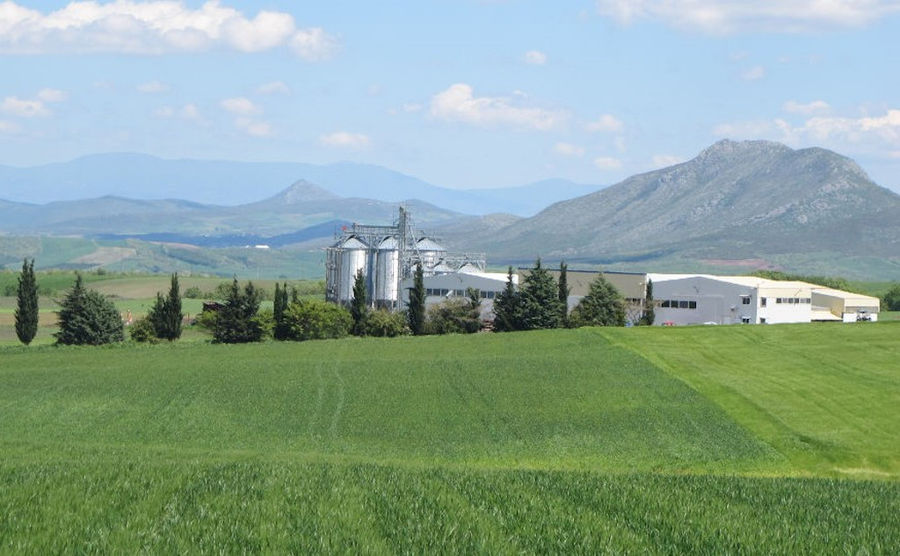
pixel 165 315
pixel 87 317
pixel 455 315
pixel 415 312
pixel 280 330
pixel 508 307
pixel 564 290
pixel 892 299
pixel 27 304
pixel 649 314
pixel 236 322
pixel 540 299
pixel 359 309
pixel 602 306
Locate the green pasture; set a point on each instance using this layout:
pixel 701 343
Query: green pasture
pixel 697 439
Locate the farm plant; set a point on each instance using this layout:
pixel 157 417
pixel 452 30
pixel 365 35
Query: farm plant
pixel 236 322
pixel 88 317
pixel 27 304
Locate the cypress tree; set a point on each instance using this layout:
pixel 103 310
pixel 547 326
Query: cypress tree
pixel 415 313
pixel 237 322
pixel 27 304
pixel 508 307
pixel 280 306
pixel 563 295
pixel 358 308
pixel 165 315
pixel 649 306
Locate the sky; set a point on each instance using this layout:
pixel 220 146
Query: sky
pixel 460 93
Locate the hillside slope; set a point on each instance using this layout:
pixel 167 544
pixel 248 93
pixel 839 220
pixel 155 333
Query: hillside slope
pixel 734 200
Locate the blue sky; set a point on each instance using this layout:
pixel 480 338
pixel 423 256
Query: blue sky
pixel 461 93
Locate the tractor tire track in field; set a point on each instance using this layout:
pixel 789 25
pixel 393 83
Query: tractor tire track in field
pixel 320 400
pixel 339 404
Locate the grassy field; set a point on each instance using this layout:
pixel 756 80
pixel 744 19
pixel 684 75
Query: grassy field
pixel 706 439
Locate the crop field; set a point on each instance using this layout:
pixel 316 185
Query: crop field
pixel 666 440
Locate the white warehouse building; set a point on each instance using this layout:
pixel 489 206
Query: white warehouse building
pixel 707 299
pixel 440 287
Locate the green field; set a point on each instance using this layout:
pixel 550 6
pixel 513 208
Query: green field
pixel 711 439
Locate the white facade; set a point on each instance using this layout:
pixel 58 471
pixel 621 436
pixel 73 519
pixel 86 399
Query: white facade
pixel 706 299
pixel 441 287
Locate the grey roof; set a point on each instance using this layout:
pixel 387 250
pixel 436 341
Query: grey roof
pixel 426 244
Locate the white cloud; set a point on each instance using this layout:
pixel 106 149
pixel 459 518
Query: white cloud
pixel 189 112
pixel 274 88
pixel 9 127
pixel 735 16
pixel 754 73
pixel 458 104
pixel 241 106
pixel 795 107
pixel 568 149
pixel 186 112
pixel 875 135
pixel 164 112
pixel 23 108
pixel 607 163
pixel 154 27
pixel 606 123
pixel 52 95
pixel 152 87
pixel 535 57
pixel 345 139
pixel 256 128
pixel 314 45
pixel 663 160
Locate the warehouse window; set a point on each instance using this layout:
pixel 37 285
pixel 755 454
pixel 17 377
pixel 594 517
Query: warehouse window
pixel 745 320
pixel 762 301
pixel 745 299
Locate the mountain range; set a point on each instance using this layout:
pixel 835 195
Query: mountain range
pixel 736 202
pixel 734 207
pixel 229 183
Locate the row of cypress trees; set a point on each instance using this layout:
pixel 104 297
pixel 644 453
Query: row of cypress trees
pixel 87 317
pixel 542 302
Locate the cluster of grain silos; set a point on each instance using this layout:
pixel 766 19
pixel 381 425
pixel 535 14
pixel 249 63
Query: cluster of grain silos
pixel 385 255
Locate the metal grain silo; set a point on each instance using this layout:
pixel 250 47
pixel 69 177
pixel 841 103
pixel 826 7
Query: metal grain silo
pixel 387 270
pixel 353 259
pixel 430 252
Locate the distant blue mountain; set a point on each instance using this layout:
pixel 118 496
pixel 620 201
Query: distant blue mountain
pixel 139 176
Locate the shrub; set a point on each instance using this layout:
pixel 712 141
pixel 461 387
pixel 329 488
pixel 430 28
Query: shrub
pixel 454 316
pixel 193 292
pixel 87 317
pixel 316 320
pixel 892 299
pixel 386 324
pixel 142 331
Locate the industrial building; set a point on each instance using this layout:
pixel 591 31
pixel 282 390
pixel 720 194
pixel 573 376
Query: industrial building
pixel 386 256
pixel 707 299
pixel 631 285
pixel 440 287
